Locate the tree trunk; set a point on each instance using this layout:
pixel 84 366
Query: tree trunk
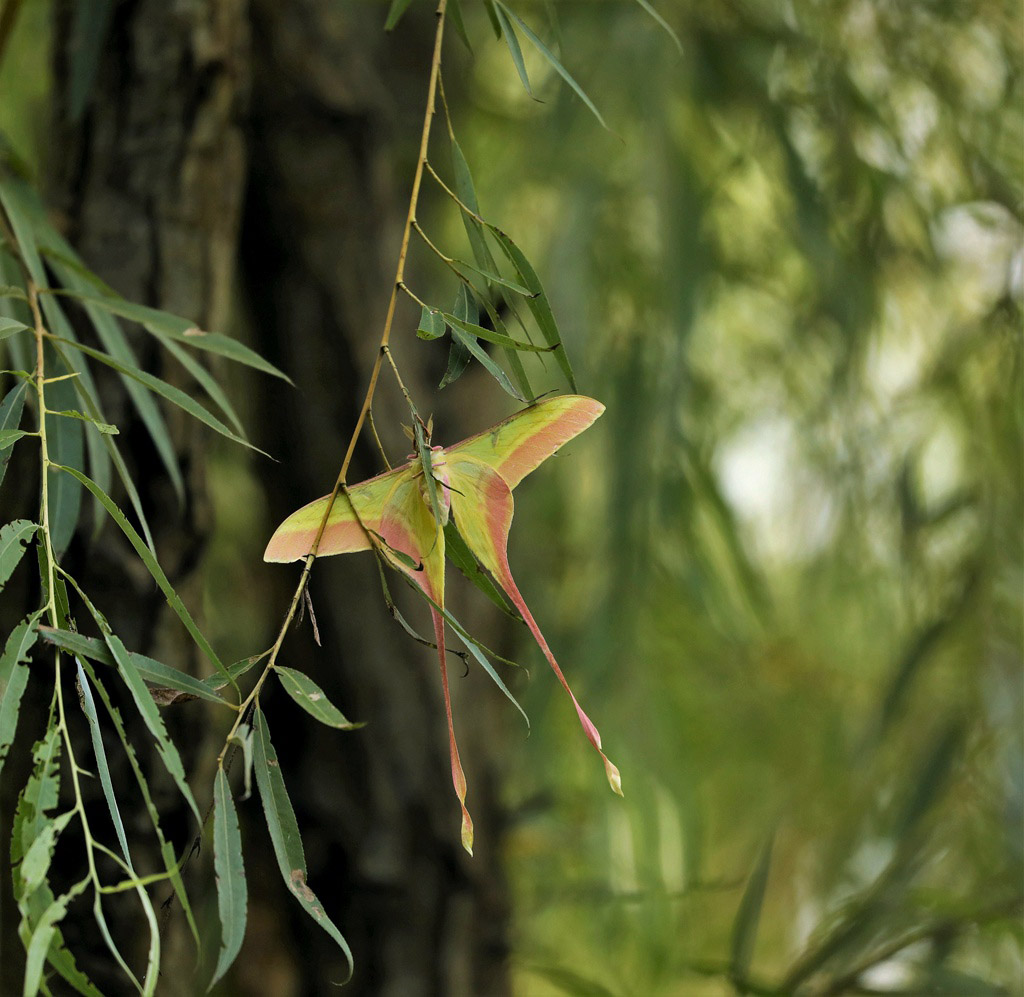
pixel 172 163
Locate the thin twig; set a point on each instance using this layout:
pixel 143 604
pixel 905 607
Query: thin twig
pixel 251 700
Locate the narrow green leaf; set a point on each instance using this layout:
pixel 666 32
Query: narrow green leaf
pixel 458 356
pixel 207 382
pixel 104 427
pixel 13 538
pixel 66 445
pixel 174 395
pixel 108 938
pixel 494 278
pixel 649 7
pixel 8 437
pixel 538 303
pixel 313 699
pixel 513 47
pixel 493 17
pixel 151 716
pixel 229 868
pixel 234 671
pixel 394 610
pixel 153 566
pixel 748 916
pixel 395 12
pixel 10 291
pixel 10 418
pixel 492 368
pixel 455 16
pixel 115 343
pixel 431 324
pixel 458 361
pixel 9 326
pixel 14 676
pixel 171 865
pixel 152 671
pixel 44 935
pixel 466 192
pixel 284 833
pixel 162 324
pixel 243 738
pixel 550 56
pixel 119 465
pixel 494 337
pixel 28 218
pixel 458 553
pixel 475 648
pixel 102 767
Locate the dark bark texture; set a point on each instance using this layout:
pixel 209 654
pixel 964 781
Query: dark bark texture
pixel 238 153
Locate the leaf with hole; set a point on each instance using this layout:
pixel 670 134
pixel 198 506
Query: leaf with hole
pixel 10 418
pixel 14 676
pixel 13 538
pixel 313 699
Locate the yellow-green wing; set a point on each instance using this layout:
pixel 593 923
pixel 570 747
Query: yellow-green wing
pixel 343 535
pixel 483 506
pixel 525 440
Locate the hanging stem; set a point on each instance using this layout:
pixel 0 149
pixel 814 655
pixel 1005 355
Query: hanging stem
pixel 383 352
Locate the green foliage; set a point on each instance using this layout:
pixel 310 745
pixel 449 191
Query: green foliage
pixel 798 296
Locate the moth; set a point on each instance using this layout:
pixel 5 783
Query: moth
pixel 402 514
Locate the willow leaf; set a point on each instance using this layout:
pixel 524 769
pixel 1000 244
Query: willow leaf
pixel 102 767
pixel 65 443
pixel 43 936
pixel 151 717
pixel 164 326
pixel 114 342
pixel 14 676
pixel 9 326
pixel 313 699
pixel 649 7
pixel 513 47
pixel 171 864
pixel 395 12
pixel 744 931
pixel 152 671
pixel 153 566
pixel 10 418
pixel 550 57
pixel 494 337
pixel 13 538
pixel 470 343
pixel 174 395
pixel 537 303
pixel 284 833
pixel 229 868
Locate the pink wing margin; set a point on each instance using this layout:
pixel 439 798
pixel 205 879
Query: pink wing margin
pixel 525 440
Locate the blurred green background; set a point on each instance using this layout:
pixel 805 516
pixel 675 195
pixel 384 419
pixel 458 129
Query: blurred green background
pixel 784 572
